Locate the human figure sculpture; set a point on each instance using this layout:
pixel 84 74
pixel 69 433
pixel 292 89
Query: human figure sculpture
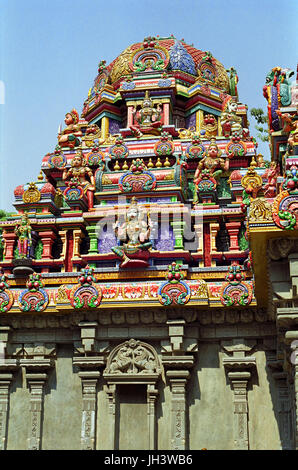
pixel 210 167
pixel 148 119
pixel 78 174
pixel 23 232
pixel 233 80
pixel 231 123
pixel 270 186
pixel 69 137
pixel 134 233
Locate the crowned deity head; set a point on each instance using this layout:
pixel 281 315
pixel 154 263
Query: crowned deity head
pixel 71 118
pixel 78 160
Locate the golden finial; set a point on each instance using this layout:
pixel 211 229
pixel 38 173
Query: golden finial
pixel 253 164
pixel 158 164
pixel 167 163
pixel 116 166
pixel 40 176
pixel 150 164
pixel 125 166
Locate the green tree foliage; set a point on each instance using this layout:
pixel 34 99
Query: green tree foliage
pixel 260 117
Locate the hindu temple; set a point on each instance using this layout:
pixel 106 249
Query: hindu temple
pixel 148 283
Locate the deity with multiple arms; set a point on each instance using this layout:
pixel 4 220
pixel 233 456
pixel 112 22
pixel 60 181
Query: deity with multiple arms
pixel 134 233
pixel 148 119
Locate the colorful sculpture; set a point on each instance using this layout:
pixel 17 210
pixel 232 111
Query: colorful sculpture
pixel 270 186
pixel 77 176
pixel 134 235
pixel 148 119
pixel 70 136
pixel 23 232
pixel 209 170
pixel 231 123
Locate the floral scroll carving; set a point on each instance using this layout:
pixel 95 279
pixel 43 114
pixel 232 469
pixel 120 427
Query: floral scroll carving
pixel 133 357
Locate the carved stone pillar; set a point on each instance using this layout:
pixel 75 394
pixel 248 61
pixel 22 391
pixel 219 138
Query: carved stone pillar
pixel 178 229
pixel 239 382
pixel 291 338
pixel 178 380
pixel 7 366
pixel 36 376
pixel 5 381
pixel 92 232
pixel 110 390
pixel 284 409
pixel 47 238
pixel 214 228
pixel 233 231
pixel 152 393
pixel 36 384
pixel 238 366
pixel 176 362
pixel 10 238
pixel 63 236
pixel 89 384
pixel 77 238
pixel 89 375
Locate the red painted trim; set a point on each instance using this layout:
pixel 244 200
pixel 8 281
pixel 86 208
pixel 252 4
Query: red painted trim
pixel 207 255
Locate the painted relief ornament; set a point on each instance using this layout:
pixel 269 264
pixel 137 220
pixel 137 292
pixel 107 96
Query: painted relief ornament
pixel 174 291
pixel 69 137
pixel 87 295
pixel 134 238
pixel 196 149
pixel 119 150
pixel 6 297
pixel 236 291
pixel 34 298
pixel 165 145
pixel 137 179
pixel 57 159
pixel 132 357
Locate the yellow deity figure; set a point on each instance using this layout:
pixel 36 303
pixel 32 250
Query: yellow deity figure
pixel 23 232
pixel 231 123
pixel 80 173
pixel 69 137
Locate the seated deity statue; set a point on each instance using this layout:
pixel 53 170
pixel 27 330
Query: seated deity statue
pixel 134 235
pixel 82 175
pixel 69 137
pixel 148 119
pixel 231 123
pixel 23 232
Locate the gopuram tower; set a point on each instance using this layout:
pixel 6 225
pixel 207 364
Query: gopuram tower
pixel 148 284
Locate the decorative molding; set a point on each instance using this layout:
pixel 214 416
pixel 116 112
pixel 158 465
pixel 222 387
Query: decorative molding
pixel 178 380
pixel 89 407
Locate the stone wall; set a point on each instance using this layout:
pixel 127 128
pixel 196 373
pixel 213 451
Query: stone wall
pixel 180 391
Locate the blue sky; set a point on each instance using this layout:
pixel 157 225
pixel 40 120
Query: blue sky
pixel 50 49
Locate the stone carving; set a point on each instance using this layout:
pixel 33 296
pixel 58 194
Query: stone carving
pixel 281 247
pixel 133 357
pixel 260 210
